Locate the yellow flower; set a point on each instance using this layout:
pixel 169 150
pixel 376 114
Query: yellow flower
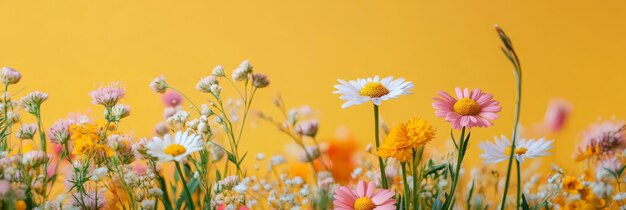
pixel 572 184
pixel 86 139
pixel 20 205
pixel 406 137
pixel 400 149
pixel 419 132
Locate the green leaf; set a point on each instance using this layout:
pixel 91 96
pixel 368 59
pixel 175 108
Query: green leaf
pixel 525 203
pixel 469 196
pixel 435 169
pixel 242 157
pixel 232 158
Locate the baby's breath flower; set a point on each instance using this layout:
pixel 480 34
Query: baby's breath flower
pixel 180 117
pixel 161 129
pixel 159 84
pixel 204 85
pixel 218 71
pixel 277 160
pixel 239 74
pixel 215 90
pixel 307 128
pixel 98 174
pixel 312 153
pixel 117 112
pixel 107 95
pixel 148 204
pixel 156 192
pixel 13 117
pixel 206 111
pixel 35 158
pixel 10 76
pixel 246 66
pixel 27 131
pixel 59 132
pixel 33 100
pixel 260 156
pixel 260 80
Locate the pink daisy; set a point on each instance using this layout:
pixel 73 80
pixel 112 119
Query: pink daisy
pixel 365 197
pixel 469 109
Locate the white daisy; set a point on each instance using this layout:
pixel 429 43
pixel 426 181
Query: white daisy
pixel 500 149
pixel 371 89
pixel 177 148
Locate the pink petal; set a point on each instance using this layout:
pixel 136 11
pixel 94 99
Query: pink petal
pixel 466 93
pixel 459 93
pixel 382 196
pixel 360 189
pixel 370 189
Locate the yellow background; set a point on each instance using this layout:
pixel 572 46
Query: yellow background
pixel 569 49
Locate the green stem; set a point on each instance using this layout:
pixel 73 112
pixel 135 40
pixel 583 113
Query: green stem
pixel 407 192
pixel 416 163
pixel 512 56
pixel 188 99
pixel 42 140
pixel 383 175
pixel 187 193
pixel 3 146
pixel 519 184
pixel 513 143
pixel 165 198
pixel 455 179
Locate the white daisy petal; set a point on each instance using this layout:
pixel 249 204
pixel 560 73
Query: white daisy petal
pixel 497 150
pixel 374 89
pixel 190 143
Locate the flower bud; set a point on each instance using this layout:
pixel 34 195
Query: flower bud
pixel 260 80
pixel 27 131
pixel 33 100
pixel 159 84
pixel 307 128
pixel 10 76
pixel 218 71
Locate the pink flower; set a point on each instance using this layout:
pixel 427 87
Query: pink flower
pixel 469 109
pixel 172 99
pixel 607 136
pixel 59 132
pixel 557 114
pixel 365 197
pixel 108 95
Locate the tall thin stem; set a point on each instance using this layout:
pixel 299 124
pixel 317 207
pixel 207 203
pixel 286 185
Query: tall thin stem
pixel 188 99
pixel 407 192
pixel 187 193
pixel 512 56
pixel 165 198
pixel 42 140
pixel 459 161
pixel 519 184
pixel 417 159
pixel 3 145
pixel 383 175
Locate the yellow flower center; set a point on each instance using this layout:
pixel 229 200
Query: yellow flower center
pixel 518 151
pixel 466 107
pixel 175 149
pixel 374 90
pixel 364 203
